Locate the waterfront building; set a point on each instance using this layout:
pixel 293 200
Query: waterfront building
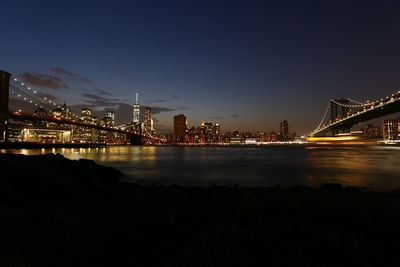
pixel 209 132
pixel 136 111
pixel 236 138
pixel 86 113
pixel 179 128
pixel 57 113
pixel 109 119
pixel 66 112
pixel 391 129
pixel 45 135
pixel 40 112
pixel 371 131
pixel 273 137
pixel 284 129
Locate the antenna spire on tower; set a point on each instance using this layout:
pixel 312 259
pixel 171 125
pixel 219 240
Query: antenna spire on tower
pixel 137 98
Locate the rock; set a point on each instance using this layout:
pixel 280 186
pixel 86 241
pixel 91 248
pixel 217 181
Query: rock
pixel 331 187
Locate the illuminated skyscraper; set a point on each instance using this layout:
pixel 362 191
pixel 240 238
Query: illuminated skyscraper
pixel 209 132
pixel 110 118
pixel 391 130
pixel 179 128
pixel 148 122
pixel 136 110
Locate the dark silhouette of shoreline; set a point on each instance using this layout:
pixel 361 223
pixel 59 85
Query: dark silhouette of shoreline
pixel 60 212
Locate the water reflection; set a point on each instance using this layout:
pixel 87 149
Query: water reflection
pixel 374 167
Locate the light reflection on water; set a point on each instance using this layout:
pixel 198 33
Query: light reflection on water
pixel 374 167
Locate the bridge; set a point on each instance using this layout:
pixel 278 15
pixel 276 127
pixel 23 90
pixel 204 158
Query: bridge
pixel 129 133
pixel 345 113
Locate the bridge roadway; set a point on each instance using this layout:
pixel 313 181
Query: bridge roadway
pixel 385 107
pixel 24 116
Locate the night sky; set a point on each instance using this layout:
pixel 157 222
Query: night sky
pixel 245 64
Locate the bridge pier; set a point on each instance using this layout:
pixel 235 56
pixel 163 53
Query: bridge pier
pixel 4 110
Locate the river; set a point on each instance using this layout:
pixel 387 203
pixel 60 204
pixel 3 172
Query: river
pixel 375 167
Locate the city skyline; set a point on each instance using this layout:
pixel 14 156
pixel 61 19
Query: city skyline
pixel 248 66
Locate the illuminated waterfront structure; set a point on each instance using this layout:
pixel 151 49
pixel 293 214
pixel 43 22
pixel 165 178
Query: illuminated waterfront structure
pixel 179 128
pixel 136 110
pixel 45 135
pixel 391 130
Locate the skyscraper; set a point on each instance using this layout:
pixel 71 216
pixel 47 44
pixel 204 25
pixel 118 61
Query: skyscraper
pixel 110 117
pixel 391 130
pixel 148 122
pixel 285 128
pixel 179 128
pixel 136 110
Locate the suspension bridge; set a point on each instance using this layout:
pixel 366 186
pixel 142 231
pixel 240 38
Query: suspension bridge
pixel 346 112
pixel 11 86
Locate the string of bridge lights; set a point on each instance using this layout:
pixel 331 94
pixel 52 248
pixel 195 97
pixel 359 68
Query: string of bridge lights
pixel 323 118
pixel 36 92
pixel 346 105
pixel 20 95
pixel 355 101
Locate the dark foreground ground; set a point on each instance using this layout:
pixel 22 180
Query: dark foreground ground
pixel 57 212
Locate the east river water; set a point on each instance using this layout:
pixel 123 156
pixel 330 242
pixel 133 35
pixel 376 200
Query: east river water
pixel 375 167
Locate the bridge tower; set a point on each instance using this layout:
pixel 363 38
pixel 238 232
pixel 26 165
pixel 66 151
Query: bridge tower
pixel 4 110
pixel 339 111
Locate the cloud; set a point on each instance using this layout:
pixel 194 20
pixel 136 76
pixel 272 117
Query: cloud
pixel 234 115
pixel 44 80
pixel 103 92
pixel 157 101
pixel 96 100
pixel 157 110
pixel 66 73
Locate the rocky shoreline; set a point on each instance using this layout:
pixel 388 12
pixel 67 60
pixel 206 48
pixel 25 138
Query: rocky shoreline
pixel 60 212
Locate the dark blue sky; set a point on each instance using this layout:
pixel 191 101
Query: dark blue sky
pixel 245 64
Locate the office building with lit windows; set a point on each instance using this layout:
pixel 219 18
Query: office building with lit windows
pixel 136 110
pixel 391 129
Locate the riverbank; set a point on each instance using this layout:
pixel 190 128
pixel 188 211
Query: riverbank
pixel 53 217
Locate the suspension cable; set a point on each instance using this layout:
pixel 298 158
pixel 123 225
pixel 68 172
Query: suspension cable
pixel 323 118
